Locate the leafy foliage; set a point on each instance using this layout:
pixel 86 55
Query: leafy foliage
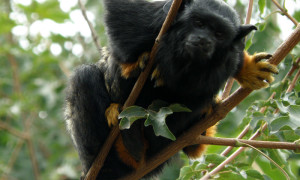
pixel 155 116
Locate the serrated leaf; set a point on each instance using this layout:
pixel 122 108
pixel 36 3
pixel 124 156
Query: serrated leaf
pixel 179 108
pixel 130 115
pixel 158 122
pixel 292 119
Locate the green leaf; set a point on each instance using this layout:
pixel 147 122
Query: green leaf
pixel 214 158
pixel 158 122
pixel 291 119
pixel 261 6
pixel 179 108
pixel 262 26
pixel 186 173
pixel 46 10
pixel 6 23
pixel 130 115
pixel 157 104
pixel 230 175
pixel 254 174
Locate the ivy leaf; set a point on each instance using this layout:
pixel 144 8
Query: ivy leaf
pixel 158 122
pixel 179 108
pixel 130 115
pixel 157 104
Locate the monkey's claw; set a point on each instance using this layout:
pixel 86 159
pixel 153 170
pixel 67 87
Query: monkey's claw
pixel 112 113
pixel 256 74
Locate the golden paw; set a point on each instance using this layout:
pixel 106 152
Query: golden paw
pixel 112 113
pixel 256 74
pixel 132 69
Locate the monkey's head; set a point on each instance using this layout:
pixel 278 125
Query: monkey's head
pixel 205 28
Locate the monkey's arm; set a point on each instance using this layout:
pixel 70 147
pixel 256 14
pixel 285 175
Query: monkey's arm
pixel 254 73
pixel 132 26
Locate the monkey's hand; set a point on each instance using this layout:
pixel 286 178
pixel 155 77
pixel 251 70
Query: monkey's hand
pixel 256 74
pixel 155 76
pixel 112 113
pixel 133 69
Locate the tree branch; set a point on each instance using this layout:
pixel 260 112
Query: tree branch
pixel 93 31
pixel 220 112
pixel 284 11
pixel 235 142
pixel 98 163
pixel 229 83
pixel 13 131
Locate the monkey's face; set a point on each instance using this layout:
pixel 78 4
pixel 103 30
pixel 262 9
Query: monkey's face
pixel 207 34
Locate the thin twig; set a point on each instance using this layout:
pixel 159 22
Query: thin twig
pixel 98 162
pixel 292 85
pixel 30 146
pixel 13 131
pixel 13 159
pixel 249 12
pixel 271 160
pixel 284 11
pixel 93 31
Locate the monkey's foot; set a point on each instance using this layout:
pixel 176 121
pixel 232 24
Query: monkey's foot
pixel 256 74
pixel 112 113
pixel 132 69
pixel 155 76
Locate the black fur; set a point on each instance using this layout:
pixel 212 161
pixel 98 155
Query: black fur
pixel 201 50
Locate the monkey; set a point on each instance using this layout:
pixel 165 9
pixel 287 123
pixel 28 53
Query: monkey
pixel 203 47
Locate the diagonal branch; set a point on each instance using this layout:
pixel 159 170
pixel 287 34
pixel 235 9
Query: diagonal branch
pixel 219 113
pixel 98 163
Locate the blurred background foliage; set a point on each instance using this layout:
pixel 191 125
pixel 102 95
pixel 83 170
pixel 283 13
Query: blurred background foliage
pixel 42 41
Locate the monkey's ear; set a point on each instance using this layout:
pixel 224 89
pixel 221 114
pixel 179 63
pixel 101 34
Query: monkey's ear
pixel 244 30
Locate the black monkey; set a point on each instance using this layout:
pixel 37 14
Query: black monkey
pixel 201 50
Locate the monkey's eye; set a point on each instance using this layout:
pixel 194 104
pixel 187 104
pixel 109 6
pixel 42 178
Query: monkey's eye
pixel 199 23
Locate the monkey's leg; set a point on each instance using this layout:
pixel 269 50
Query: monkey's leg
pixel 130 144
pixel 195 151
pixel 256 74
pixel 86 102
